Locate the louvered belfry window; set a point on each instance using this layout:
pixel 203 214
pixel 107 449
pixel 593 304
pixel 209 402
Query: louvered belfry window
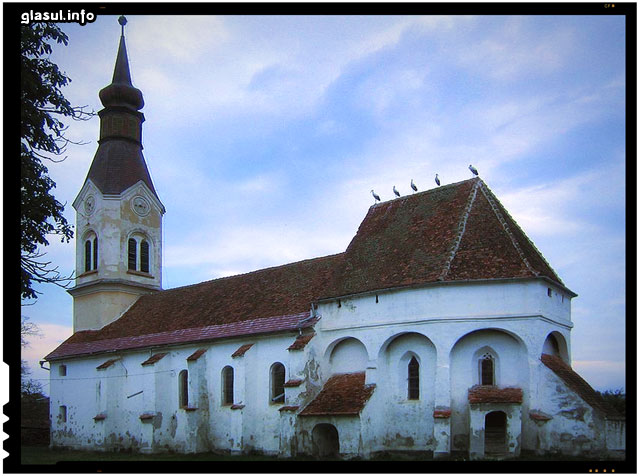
pixel 132 254
pixel 144 256
pixel 414 379
pixel 95 253
pixel 87 256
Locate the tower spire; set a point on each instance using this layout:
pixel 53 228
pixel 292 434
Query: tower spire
pixel 121 91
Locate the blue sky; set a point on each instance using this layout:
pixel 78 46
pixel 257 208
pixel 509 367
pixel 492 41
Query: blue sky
pixel 264 136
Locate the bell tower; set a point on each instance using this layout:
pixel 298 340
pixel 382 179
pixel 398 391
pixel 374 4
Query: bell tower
pixel 118 212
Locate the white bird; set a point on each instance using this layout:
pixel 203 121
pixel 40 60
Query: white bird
pixel 473 169
pixel 395 191
pixel 413 186
pixel 437 180
pixel 375 196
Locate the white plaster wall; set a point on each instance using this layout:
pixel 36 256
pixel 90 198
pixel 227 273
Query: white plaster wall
pixel 391 419
pixel 574 428
pixel 428 322
pixel 113 221
pixel 511 370
pixel 500 299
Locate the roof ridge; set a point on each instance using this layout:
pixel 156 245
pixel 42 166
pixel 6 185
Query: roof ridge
pixel 462 224
pixel 423 192
pixel 498 211
pixel 505 227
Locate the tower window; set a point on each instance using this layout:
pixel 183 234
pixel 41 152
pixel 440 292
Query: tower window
pixel 62 415
pixel 138 254
pixel 133 254
pixel 183 388
pixel 62 370
pixel 91 254
pixel 413 392
pixel 277 383
pixel 227 385
pixel 144 256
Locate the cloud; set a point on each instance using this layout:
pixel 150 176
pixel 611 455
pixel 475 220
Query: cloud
pixel 516 49
pixel 172 38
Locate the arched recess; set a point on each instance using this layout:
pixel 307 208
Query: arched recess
pixel 556 344
pixel 509 355
pixel 347 355
pixel 394 362
pixel 326 441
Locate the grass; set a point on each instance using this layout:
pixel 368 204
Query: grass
pixel 42 455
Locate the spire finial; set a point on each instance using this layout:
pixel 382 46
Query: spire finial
pixel 123 21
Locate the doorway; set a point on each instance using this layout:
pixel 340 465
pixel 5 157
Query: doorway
pixel 326 442
pixel 495 433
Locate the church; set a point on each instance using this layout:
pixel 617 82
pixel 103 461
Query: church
pixel 440 330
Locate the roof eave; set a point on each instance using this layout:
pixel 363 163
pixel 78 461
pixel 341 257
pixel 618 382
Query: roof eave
pixel 440 283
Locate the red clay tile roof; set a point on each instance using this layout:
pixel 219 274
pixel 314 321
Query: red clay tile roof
pixel 196 355
pixel 106 364
pixel 576 383
pixel 450 233
pixel 301 341
pixel 491 394
pixel 455 232
pixel 442 413
pixel 241 350
pixel 293 383
pixel 343 394
pixel 539 416
pixel 236 406
pixel 154 358
pixel 88 342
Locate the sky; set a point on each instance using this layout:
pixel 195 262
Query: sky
pixel 265 134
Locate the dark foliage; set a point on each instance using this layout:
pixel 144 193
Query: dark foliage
pixel 42 137
pixel 616 398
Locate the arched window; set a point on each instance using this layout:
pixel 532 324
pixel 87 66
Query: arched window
pixel 413 392
pixel 227 385
pixel 487 370
pixel 277 383
pixel 138 254
pixel 183 388
pixel 91 253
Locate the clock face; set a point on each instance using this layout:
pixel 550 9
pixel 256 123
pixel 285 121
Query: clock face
pixel 89 204
pixel 141 206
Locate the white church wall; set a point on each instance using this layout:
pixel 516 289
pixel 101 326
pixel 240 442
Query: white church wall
pixel 511 370
pixel 399 429
pixel 574 427
pixel 472 300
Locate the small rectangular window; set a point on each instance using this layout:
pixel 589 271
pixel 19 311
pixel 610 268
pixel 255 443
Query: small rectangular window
pixel 549 292
pixel 132 254
pixel 144 256
pixel 62 370
pixel 183 388
pixel 63 413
